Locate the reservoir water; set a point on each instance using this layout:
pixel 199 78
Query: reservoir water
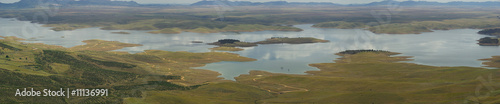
pixel 439 48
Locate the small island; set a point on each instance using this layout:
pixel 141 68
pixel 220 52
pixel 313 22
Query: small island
pixel 340 25
pixel 494 31
pixel 196 41
pixel 489 41
pixel 369 55
pixel 273 40
pixel 121 32
pixel 299 40
pixel 232 43
pixel 226 49
pixel 351 52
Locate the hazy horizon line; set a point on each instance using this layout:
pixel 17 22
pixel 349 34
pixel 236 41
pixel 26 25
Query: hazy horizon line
pixel 372 1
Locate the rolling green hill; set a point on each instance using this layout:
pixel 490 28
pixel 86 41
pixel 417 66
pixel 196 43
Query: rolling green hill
pixel 40 66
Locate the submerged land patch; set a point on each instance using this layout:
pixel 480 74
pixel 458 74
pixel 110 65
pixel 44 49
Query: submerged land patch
pixel 274 40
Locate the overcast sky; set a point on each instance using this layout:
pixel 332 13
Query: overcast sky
pixel 334 1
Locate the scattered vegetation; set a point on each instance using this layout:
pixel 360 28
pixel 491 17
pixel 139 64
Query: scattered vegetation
pixel 102 45
pixel 125 75
pixel 5 46
pixel 106 63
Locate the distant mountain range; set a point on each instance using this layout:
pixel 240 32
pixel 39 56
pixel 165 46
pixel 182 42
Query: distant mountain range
pixel 417 3
pixel 386 2
pixel 35 3
pixel 248 3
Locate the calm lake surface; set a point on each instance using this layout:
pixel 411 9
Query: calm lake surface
pixel 439 48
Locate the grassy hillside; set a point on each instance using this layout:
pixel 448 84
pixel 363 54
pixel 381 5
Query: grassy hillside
pixel 214 93
pixel 40 66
